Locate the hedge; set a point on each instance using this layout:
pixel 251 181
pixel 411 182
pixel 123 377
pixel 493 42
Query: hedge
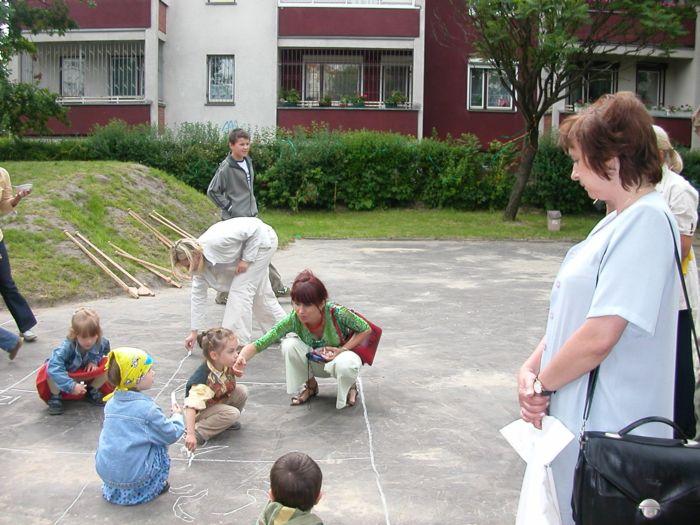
pixel 322 169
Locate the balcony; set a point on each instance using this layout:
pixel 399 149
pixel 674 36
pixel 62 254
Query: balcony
pixel 346 78
pixel 111 14
pixel 367 19
pixel 88 72
pixel 347 88
pixel 347 3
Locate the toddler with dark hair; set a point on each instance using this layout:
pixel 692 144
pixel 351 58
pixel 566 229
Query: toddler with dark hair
pixel 295 487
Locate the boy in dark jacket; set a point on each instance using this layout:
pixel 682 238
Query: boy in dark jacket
pixel 231 189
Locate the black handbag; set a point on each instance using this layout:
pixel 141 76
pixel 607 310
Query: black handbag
pixel 624 479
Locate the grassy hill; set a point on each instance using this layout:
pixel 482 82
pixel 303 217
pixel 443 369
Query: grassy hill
pixel 93 198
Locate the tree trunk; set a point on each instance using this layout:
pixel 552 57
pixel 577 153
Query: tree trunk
pixel 527 158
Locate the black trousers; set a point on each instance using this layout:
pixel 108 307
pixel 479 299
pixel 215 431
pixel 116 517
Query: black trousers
pixel 683 405
pixel 16 304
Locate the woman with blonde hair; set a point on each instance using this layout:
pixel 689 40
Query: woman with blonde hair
pixel 231 256
pixel 682 199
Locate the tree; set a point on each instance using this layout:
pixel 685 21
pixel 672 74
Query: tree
pixel 25 106
pixel 541 48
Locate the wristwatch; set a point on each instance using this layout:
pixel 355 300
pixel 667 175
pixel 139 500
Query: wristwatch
pixel 539 388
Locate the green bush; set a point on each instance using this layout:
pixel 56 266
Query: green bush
pixel 323 169
pixel 691 165
pixel 550 186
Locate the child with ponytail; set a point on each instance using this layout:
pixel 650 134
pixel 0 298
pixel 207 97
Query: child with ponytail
pixel 213 400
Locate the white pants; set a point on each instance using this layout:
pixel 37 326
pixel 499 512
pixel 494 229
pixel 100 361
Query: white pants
pixel 345 368
pixel 251 296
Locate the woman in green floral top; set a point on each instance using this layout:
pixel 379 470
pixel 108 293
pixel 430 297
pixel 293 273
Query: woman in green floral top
pixel 312 320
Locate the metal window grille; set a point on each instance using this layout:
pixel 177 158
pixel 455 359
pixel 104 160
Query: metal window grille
pixel 221 77
pixel 87 71
pixel 332 77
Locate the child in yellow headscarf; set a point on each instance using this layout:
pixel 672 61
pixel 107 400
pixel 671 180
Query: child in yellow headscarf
pixel 132 456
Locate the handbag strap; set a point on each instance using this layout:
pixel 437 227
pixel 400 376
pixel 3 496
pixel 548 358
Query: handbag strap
pixel 593 375
pixel 341 337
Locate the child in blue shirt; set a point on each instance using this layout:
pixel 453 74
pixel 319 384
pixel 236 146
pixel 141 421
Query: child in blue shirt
pixel 132 455
pixel 83 349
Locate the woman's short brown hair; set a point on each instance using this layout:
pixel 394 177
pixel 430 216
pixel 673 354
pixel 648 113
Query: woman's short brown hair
pixel 84 323
pixel 615 126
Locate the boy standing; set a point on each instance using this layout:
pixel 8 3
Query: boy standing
pixel 295 487
pixel 231 189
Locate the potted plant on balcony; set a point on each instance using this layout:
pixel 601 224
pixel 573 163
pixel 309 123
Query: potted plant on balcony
pixel 290 98
pixel 395 99
pixel 358 101
pixel 325 102
pixel 344 101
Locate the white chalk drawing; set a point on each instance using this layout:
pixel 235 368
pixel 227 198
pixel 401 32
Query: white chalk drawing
pixel 229 125
pixel 18 382
pixel 371 451
pixel 253 501
pixel 184 498
pixel 171 377
pixel 8 400
pixel 71 505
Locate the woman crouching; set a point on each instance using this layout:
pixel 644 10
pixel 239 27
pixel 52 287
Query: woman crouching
pixel 317 350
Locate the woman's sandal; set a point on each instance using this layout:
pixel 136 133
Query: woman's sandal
pixel 304 394
pixel 352 390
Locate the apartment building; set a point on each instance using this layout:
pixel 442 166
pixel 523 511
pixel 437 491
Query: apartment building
pixel 393 65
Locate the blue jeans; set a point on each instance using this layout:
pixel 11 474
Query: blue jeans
pixel 16 304
pixel 8 340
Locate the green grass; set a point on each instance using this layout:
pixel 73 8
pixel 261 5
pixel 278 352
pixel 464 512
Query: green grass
pixel 423 224
pixel 93 197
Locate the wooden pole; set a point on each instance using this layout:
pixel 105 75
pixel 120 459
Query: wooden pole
pixel 172 225
pixel 162 238
pixel 142 288
pixel 128 289
pixel 153 268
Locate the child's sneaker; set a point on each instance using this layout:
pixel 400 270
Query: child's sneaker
pixel 55 405
pixel 94 397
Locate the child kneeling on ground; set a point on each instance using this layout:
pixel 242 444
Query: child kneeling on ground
pixel 213 400
pixel 295 487
pixel 82 350
pixel 132 455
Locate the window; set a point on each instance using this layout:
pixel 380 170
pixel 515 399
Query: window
pixel 72 77
pixel 334 77
pixel 126 76
pixel 599 81
pixel 220 73
pixel 651 84
pixel 485 89
pixel 396 76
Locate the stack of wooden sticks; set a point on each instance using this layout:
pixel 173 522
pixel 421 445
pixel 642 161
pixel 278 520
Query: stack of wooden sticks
pixel 103 261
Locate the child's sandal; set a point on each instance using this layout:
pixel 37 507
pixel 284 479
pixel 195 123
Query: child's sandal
pixel 304 394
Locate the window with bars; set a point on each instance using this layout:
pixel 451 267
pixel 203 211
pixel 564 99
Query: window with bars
pixel 221 78
pixel 72 76
pixel 81 72
pixel 651 84
pixel 599 81
pixel 127 76
pixel 332 77
pixel 485 89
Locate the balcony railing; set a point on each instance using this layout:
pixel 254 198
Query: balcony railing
pixel 88 72
pixel 347 3
pixel 365 78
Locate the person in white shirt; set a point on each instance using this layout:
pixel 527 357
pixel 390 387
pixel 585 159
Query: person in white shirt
pixel 682 200
pixel 231 256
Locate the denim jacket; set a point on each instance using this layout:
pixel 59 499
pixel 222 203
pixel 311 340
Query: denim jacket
pixel 69 358
pixel 134 428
